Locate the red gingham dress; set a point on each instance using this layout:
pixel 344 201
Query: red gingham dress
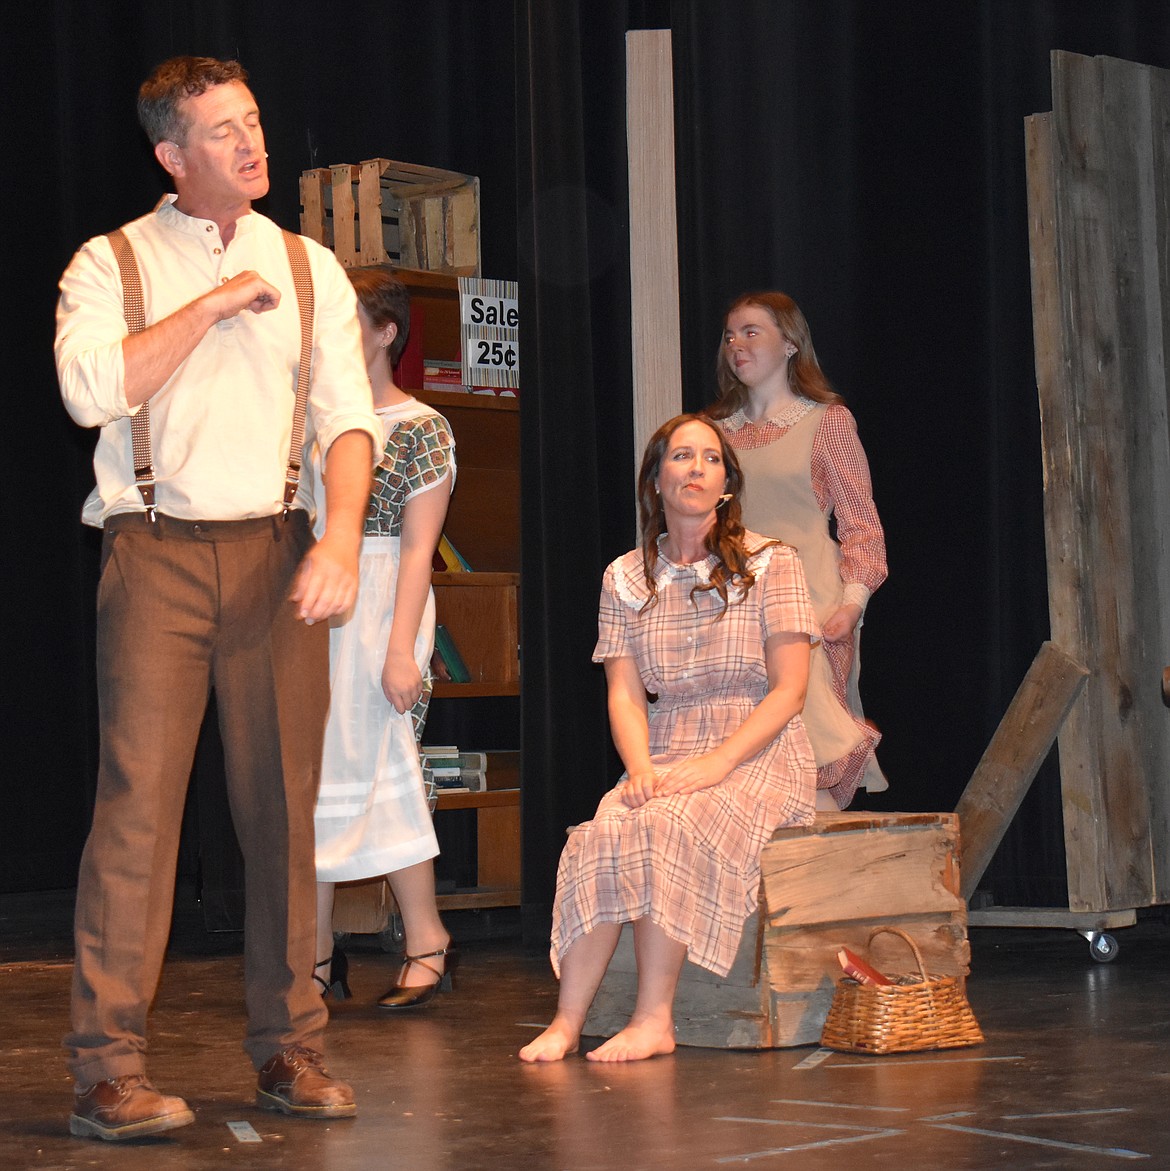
pixel 691 862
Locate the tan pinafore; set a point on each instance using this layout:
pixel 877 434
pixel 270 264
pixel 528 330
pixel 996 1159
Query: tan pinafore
pixel 779 501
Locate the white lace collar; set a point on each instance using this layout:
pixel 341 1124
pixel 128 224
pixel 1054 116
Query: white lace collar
pixel 785 417
pixel 630 581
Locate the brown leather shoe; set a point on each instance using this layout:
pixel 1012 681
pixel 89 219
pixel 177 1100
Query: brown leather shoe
pixel 125 1107
pixel 296 1082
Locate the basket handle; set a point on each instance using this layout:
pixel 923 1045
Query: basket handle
pixel 902 934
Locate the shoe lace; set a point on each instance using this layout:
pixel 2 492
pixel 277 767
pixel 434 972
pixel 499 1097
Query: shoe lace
pixel 301 1055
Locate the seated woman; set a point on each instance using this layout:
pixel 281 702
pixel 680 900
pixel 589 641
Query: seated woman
pixel 716 623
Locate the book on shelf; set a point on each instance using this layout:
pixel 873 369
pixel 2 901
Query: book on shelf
pixel 452 771
pixel 452 659
pixel 408 372
pixel 439 672
pixel 448 559
pixel 441 374
pixel 473 770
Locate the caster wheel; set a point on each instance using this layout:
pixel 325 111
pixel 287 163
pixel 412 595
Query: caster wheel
pixel 1103 947
pixel 391 938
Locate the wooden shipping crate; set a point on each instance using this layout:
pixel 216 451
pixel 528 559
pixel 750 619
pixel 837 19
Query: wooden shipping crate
pixel 386 212
pixel 823 887
pixel 363 908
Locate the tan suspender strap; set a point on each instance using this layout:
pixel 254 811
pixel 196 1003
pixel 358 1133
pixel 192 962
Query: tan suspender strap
pixel 303 281
pixel 134 310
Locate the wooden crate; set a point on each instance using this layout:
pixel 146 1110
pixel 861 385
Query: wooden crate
pixel 823 886
pixel 388 212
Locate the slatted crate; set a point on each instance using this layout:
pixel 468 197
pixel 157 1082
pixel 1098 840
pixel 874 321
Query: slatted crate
pixel 383 211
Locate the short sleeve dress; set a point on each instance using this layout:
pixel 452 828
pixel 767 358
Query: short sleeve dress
pixel 691 861
pixel 372 815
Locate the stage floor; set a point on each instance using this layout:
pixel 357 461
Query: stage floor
pixel 1074 1074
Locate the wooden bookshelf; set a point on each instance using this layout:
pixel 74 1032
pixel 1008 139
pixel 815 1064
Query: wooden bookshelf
pixel 479 611
pixel 480 608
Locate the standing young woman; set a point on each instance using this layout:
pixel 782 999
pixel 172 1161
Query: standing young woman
pixel 803 465
pixel 372 814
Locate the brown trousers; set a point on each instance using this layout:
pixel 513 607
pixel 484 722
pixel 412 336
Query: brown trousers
pixel 183 607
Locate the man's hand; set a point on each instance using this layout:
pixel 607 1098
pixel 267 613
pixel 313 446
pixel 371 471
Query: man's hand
pixel 246 290
pixel 327 579
pixel 153 355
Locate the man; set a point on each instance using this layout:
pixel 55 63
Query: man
pixel 222 586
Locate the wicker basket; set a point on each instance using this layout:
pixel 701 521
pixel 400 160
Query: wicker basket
pixel 918 1012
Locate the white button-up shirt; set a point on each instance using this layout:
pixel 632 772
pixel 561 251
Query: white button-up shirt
pixel 222 423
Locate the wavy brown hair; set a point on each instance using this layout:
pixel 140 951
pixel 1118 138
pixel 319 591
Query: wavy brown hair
pixel 726 537
pixel 805 375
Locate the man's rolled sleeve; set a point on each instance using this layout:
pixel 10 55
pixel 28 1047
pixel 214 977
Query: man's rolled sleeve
pixel 91 326
pixel 340 398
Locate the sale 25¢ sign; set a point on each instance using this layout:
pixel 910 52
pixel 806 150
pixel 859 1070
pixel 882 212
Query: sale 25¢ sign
pixel 490 327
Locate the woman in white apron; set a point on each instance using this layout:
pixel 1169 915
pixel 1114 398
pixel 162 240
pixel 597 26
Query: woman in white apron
pixel 372 816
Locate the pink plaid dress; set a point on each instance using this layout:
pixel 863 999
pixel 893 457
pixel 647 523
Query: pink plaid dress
pixel 691 862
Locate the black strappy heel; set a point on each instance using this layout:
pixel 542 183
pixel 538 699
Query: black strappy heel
pixel 404 996
pixel 338 982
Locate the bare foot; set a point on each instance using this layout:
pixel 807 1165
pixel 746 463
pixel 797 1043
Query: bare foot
pixel 636 1042
pixel 556 1042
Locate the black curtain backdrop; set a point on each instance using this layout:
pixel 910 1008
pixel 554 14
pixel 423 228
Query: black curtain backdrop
pixel 865 157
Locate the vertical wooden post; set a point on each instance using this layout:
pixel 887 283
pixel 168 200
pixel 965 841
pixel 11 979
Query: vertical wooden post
pixel 653 234
pixel 1099 216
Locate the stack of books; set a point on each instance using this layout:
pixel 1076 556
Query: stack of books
pixel 441 374
pixel 445 374
pixel 453 771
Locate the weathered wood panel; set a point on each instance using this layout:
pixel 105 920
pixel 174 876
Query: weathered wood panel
pixel 1098 225
pixel 905 867
pixel 1018 748
pixel 657 353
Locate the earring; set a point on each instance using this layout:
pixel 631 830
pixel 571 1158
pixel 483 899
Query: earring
pixel 791 351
